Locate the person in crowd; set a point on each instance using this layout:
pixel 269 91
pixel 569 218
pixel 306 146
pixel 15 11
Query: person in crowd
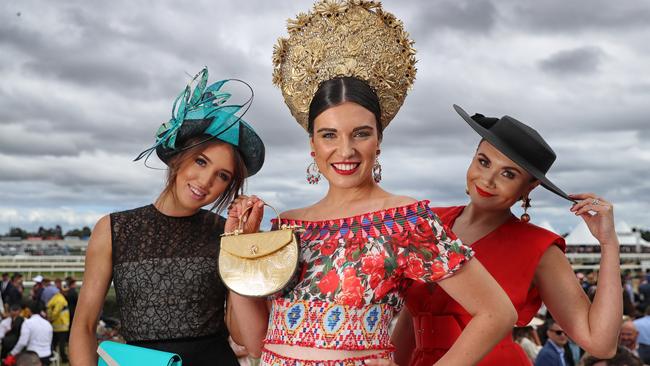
pixel 644 294
pixel 35 335
pixel 14 292
pixel 10 330
pixel 4 285
pixel 49 290
pixel 28 358
pixel 642 325
pixel 510 161
pixel 627 336
pixel 71 296
pixel 37 288
pixel 623 357
pixel 162 257
pixel 526 337
pixel 553 354
pixel 59 316
pixel 344 73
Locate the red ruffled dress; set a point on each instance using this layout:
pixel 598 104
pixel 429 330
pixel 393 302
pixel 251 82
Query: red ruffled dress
pixel 354 273
pixel 510 253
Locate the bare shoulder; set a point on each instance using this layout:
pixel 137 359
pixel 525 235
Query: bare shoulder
pixel 398 201
pixel 100 238
pixel 295 214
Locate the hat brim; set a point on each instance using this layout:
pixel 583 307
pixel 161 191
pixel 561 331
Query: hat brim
pixel 504 148
pixel 251 146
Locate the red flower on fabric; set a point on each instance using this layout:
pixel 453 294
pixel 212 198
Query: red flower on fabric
pixel 373 265
pixel 353 245
pixel 437 270
pixel 351 289
pixel 329 246
pixel 384 287
pixel 454 259
pixel 414 267
pixel 423 235
pixel 329 282
pixel 402 238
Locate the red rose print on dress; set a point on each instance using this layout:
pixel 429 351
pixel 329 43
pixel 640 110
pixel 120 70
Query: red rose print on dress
pixel 373 266
pixel 329 246
pixel 437 270
pixel 454 259
pixel 384 287
pixel 401 239
pixel 353 248
pixel 351 289
pixel 414 267
pixel 329 282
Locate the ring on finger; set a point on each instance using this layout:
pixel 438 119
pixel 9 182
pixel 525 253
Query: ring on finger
pixel 595 202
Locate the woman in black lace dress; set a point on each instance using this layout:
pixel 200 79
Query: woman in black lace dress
pixel 162 258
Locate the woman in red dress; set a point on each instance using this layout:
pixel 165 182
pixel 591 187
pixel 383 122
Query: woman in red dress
pixel 527 261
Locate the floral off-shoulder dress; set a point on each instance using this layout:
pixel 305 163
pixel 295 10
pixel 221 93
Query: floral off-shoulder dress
pixel 353 274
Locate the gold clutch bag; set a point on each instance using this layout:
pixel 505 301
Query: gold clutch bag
pixel 259 264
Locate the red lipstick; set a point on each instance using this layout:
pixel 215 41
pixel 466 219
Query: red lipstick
pixel 483 193
pixel 345 168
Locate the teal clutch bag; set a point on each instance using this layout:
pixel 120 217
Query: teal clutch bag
pixel 119 354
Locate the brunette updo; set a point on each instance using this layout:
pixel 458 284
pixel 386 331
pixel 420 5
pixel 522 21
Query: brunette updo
pixel 333 92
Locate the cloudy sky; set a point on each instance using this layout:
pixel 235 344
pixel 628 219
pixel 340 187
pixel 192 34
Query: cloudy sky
pixel 85 84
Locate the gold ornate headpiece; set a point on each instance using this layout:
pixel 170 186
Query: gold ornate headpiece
pixel 344 38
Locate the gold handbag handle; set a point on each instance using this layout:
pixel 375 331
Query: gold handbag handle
pixel 241 222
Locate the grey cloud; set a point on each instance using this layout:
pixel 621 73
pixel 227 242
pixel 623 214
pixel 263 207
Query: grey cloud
pixel 580 15
pixel 580 61
pixel 474 17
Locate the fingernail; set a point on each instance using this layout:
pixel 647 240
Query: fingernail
pixel 249 203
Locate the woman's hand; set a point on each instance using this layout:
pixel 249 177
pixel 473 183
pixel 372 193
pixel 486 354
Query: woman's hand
pixel 598 214
pixel 252 219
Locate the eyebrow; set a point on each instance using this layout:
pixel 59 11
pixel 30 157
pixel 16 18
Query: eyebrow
pixel 205 157
pixel 505 167
pixel 210 161
pixel 327 129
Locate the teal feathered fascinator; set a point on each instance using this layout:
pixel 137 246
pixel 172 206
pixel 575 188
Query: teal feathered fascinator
pixel 204 111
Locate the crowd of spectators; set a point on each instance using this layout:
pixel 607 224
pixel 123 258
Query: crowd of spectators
pixel 35 328
pixel 546 343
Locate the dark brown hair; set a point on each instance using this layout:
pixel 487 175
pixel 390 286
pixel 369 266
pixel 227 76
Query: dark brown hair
pixel 336 91
pixel 236 185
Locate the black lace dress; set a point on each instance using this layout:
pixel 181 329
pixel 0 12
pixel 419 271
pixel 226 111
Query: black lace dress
pixel 168 292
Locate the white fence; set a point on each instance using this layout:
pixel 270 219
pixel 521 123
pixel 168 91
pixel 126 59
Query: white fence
pixel 30 266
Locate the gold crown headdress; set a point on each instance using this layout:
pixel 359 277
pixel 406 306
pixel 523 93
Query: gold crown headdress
pixel 344 38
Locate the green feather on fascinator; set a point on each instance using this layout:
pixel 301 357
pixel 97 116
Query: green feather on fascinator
pixel 202 111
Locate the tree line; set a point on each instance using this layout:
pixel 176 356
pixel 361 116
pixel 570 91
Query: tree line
pixel 53 232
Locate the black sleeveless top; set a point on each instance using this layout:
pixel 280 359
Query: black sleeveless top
pixel 165 275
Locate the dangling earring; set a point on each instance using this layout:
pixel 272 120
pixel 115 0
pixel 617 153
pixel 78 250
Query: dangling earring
pixel 525 217
pixel 376 169
pixel 313 174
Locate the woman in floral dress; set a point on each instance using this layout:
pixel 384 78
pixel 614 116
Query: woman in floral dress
pixel 362 246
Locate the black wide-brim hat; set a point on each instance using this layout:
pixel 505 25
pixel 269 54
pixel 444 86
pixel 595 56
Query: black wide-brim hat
pixel 250 145
pixel 519 142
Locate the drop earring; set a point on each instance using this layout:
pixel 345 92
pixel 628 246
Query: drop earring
pixel 313 174
pixel 525 217
pixel 376 169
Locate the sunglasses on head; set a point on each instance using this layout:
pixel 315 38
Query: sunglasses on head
pixel 557 332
